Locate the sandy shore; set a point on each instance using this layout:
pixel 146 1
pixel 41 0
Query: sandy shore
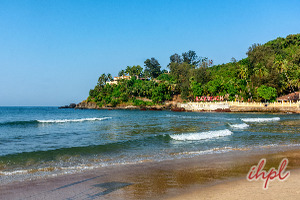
pixel 203 177
pixel 243 189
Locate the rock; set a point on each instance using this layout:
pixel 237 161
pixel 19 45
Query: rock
pixel 87 105
pixel 72 105
pixel 176 109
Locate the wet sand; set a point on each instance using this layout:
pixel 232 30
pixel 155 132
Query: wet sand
pixel 204 177
pixel 243 189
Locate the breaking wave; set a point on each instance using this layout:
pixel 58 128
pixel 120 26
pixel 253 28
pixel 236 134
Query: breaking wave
pixel 239 126
pixel 34 122
pixel 73 120
pixel 202 135
pixel 260 119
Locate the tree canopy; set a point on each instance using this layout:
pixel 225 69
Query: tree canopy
pixel 268 71
pixel 152 68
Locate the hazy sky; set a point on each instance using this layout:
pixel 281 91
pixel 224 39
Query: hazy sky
pixel 52 52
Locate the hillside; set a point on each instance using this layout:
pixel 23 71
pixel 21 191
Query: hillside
pixel 270 70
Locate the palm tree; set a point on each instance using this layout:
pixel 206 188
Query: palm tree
pixel 109 77
pixel 122 73
pixel 260 70
pixel 244 73
pixel 283 66
pixel 102 80
pixel 128 70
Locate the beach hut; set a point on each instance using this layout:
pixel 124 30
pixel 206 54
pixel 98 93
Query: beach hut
pixel 293 97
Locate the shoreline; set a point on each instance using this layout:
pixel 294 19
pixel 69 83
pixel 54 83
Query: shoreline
pixel 152 180
pixel 237 107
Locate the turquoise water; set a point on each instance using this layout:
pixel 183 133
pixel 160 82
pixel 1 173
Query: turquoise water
pixel 38 141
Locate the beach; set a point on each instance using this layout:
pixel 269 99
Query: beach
pixel 52 153
pixel 242 189
pixel 207 177
pixel 149 100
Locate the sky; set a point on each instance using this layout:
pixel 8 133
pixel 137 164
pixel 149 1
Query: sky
pixel 52 52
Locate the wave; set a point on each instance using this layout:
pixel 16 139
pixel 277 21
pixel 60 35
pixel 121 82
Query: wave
pixel 202 135
pixel 239 126
pixel 75 167
pixel 77 151
pixel 205 117
pixel 72 120
pixel 32 122
pixel 260 119
pixel 12 123
pixel 186 116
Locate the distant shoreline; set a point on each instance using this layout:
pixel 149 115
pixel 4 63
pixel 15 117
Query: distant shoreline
pixel 283 107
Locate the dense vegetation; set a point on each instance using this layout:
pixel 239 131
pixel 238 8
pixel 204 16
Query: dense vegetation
pixel 270 70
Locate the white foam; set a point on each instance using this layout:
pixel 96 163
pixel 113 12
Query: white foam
pixel 185 116
pixel 260 119
pixel 14 172
pixel 202 135
pixel 209 151
pixel 239 126
pixel 72 120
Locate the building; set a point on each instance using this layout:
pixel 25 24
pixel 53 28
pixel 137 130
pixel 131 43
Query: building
pixel 122 77
pixel 117 79
pixel 293 97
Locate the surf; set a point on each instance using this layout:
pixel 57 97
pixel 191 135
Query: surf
pixel 34 122
pixel 72 120
pixel 202 135
pixel 260 119
pixel 239 126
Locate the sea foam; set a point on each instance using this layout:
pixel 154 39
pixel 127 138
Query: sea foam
pixel 239 126
pixel 202 135
pixel 260 119
pixel 72 120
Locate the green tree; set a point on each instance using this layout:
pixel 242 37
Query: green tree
pixel 102 80
pixel 190 57
pixel 267 93
pixel 122 73
pixel 175 58
pixel 136 71
pixel 152 68
pixel 283 67
pixel 109 77
pixel 243 73
pixel 197 89
pixel 260 70
pixel 128 70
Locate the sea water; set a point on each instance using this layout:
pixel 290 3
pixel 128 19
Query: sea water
pixel 47 141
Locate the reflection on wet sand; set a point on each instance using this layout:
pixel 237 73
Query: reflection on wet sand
pixel 149 180
pixel 166 180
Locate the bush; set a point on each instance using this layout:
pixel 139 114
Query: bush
pixel 267 93
pixel 137 102
pixel 114 102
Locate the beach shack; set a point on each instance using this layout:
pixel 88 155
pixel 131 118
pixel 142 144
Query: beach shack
pixel 292 97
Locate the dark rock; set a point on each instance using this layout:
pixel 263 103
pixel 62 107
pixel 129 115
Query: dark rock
pixel 176 109
pixel 72 105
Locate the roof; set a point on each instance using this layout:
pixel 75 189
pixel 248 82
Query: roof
pixel 290 97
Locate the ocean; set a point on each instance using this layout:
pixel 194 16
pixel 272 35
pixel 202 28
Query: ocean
pixel 46 141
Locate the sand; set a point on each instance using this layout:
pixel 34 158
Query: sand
pixel 243 189
pixel 214 176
